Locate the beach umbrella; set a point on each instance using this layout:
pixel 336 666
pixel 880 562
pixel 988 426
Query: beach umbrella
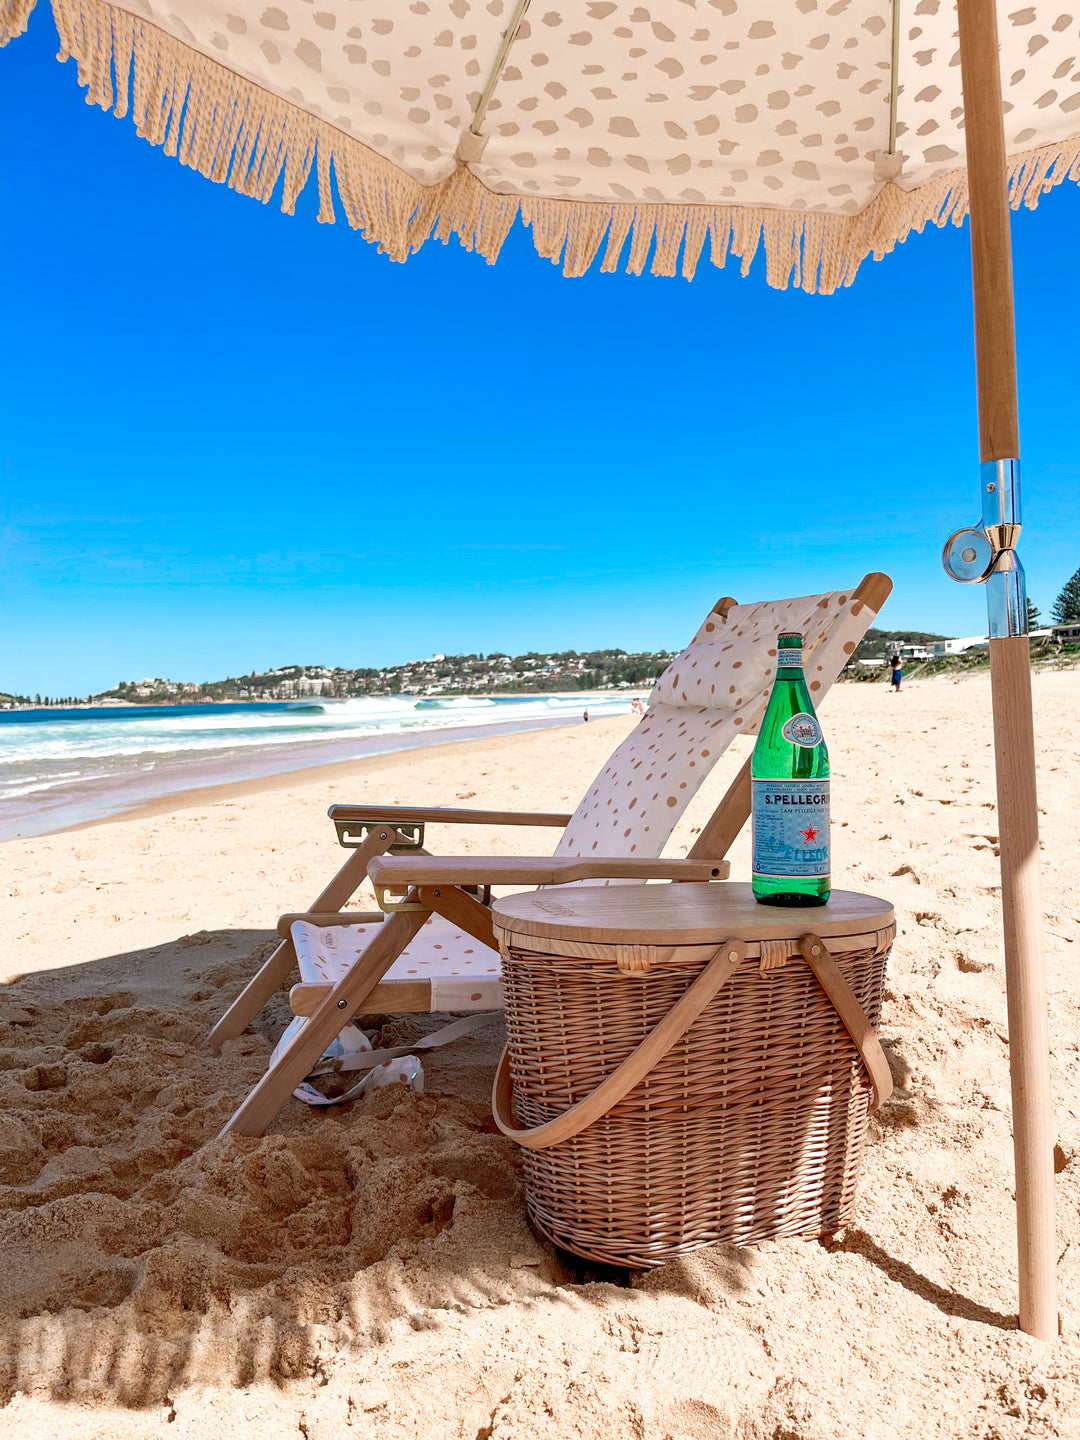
pixel 818 132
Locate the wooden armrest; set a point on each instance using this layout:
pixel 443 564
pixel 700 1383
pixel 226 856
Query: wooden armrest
pixel 419 814
pixel 400 870
pixel 330 917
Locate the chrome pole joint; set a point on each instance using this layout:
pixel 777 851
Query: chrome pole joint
pixel 985 554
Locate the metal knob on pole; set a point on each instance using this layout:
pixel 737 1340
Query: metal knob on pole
pixel 986 553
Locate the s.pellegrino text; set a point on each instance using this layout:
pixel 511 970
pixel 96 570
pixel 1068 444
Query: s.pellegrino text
pixel 789 776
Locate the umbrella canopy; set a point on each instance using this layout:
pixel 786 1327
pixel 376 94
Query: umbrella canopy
pixel 820 132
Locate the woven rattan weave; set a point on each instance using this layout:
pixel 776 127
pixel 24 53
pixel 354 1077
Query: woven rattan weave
pixel 752 1126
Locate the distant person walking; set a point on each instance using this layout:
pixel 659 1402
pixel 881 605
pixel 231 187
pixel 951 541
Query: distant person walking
pixel 585 717
pixel 897 673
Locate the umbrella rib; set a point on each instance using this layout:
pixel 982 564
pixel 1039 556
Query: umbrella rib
pixel 508 37
pixel 894 82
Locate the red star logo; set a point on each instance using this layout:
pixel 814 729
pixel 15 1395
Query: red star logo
pixel 809 834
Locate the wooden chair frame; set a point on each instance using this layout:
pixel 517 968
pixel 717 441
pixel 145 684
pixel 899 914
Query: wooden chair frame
pixel 446 887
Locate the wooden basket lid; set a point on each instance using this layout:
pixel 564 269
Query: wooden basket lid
pixel 680 914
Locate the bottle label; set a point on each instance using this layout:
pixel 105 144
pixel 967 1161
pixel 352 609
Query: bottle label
pixel 791 827
pixel 789 657
pixel 803 729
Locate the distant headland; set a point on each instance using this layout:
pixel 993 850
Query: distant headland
pixel 496 673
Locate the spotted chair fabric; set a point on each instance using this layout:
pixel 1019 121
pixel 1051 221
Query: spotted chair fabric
pixel 464 974
pixel 716 689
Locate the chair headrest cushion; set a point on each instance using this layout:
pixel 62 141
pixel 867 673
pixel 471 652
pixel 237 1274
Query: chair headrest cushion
pixel 729 665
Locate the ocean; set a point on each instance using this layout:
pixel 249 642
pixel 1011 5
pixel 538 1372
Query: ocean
pixel 60 768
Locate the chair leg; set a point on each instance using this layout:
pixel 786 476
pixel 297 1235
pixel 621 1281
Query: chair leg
pixel 343 1001
pixel 275 971
pixel 264 984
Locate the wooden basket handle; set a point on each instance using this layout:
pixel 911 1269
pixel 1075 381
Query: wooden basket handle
pixel 633 1069
pixel 674 1026
pixel 856 1021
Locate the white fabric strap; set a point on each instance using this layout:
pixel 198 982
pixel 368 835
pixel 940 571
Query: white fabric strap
pixel 408 1071
pixel 373 1060
pixel 367 1059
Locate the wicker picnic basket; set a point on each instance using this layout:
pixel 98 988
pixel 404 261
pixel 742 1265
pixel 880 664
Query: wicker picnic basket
pixel 745 1073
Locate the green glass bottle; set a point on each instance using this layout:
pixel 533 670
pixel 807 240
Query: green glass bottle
pixel 790 783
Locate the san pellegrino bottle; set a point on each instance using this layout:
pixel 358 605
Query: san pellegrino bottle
pixel 789 776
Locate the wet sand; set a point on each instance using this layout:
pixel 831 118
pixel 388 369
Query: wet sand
pixel 169 781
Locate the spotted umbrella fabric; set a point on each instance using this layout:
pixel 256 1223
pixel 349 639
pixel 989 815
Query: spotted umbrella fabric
pixel 639 134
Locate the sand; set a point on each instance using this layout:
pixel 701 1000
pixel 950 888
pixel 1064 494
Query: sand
pixel 369 1270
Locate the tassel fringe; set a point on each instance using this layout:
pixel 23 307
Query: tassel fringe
pixel 233 131
pixel 14 18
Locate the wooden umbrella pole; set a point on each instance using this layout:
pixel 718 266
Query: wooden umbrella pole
pixel 1010 670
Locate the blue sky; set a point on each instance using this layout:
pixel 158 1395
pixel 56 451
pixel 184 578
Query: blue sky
pixel 231 438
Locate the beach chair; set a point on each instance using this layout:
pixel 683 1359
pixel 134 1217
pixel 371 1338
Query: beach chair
pixel 432 947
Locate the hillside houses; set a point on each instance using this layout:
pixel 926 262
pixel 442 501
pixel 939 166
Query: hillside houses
pixel 441 675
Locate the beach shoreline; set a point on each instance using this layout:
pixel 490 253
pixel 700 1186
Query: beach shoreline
pixel 158 788
pixel 328 772
pixel 169 787
pixel 74 804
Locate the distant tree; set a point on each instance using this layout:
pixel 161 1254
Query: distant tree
pixel 1067 605
pixel 1033 615
pixel 883 642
